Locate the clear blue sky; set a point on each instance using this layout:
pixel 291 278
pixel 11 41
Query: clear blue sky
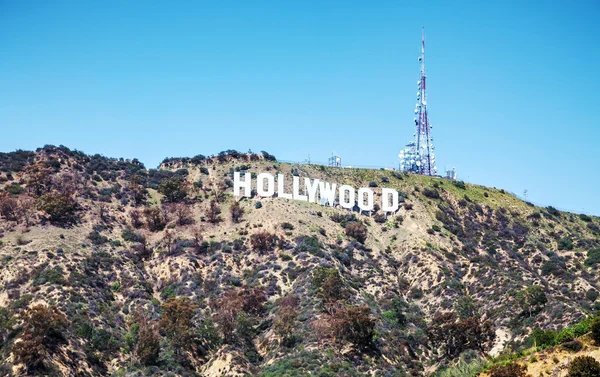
pixel 513 86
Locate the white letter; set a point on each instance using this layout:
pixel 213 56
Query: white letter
pixel 237 184
pixel 311 189
pixel 280 184
pixel 350 203
pixel 260 185
pixel 361 199
pixel 296 185
pixel 327 192
pixel 385 200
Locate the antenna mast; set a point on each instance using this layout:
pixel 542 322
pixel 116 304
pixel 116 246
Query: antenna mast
pixel 418 157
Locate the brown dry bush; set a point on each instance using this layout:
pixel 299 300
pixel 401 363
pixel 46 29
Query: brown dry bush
pixel 263 241
pixel 357 231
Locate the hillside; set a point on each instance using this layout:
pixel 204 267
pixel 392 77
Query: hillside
pixel 109 268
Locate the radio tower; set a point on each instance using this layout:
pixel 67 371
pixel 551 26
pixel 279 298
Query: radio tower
pixel 418 157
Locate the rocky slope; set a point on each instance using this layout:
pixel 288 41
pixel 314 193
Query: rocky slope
pixel 152 276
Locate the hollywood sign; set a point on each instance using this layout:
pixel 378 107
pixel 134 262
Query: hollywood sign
pixel 314 191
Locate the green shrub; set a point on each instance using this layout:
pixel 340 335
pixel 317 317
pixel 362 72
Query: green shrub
pixel 50 276
pixel 592 294
pixel 595 328
pixel 564 336
pixel 544 338
pixel 565 243
pixel 584 366
pixel 97 239
pixel 14 189
pixel 593 257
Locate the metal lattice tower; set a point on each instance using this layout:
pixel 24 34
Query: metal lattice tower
pixel 418 157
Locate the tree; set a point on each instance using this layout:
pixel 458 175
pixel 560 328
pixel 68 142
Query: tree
pixel 176 322
pixel 329 284
pixel 213 212
pixel 344 325
pixel 39 178
pixel 356 230
pixel 197 233
pixel 154 219
pixel 60 206
pixel 26 209
pixel 284 323
pixel 354 325
pixel 532 299
pixel 138 191
pixel 136 218
pixel 174 189
pixel 236 212
pixel 227 310
pixel 9 207
pixel 584 366
pixel 509 370
pixel 41 334
pixel 148 343
pixel 182 213
pixel 249 302
pixel 455 336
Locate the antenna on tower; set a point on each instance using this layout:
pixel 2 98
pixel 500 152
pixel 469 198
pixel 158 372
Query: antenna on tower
pixel 418 157
pixel 335 161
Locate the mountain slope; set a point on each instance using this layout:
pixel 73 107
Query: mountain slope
pixel 286 290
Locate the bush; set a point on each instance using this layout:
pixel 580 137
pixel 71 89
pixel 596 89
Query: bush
pixel 154 219
pixel 372 184
pixel 509 370
pixel 236 212
pixel 565 244
pixel 97 239
pixel 263 241
pixel 585 218
pixel 593 257
pixel 565 336
pixel 431 194
pixel 258 205
pixel 460 184
pixel 573 346
pixel 287 226
pixel 268 157
pixel 544 338
pixel 595 328
pixel 584 366
pixel 592 294
pixel 357 231
pixel 14 189
pixel 213 212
